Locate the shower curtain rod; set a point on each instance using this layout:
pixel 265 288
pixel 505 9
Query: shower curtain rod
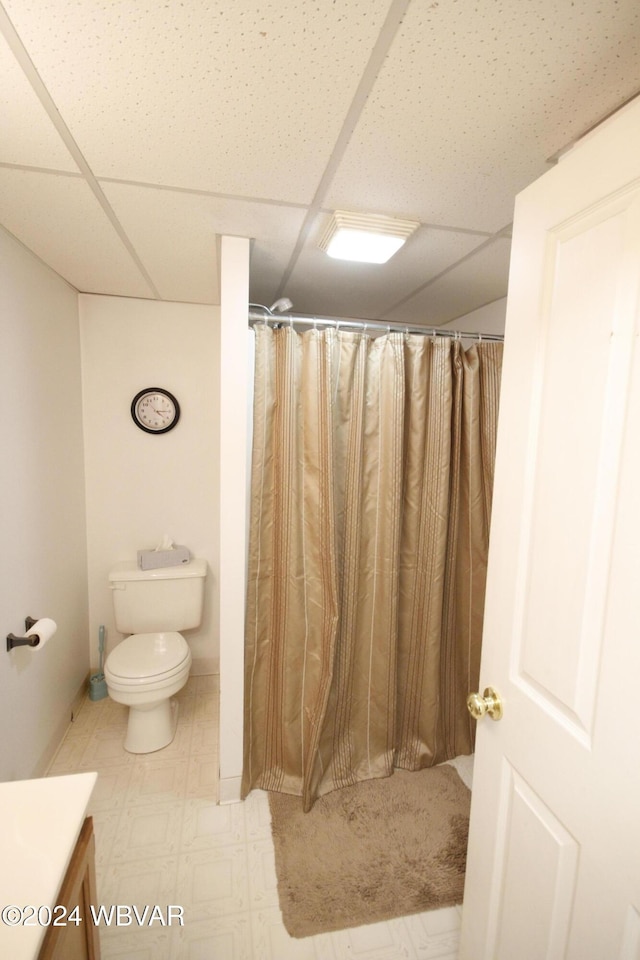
pixel 286 319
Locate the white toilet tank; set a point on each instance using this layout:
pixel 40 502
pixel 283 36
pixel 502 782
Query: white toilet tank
pixel 152 601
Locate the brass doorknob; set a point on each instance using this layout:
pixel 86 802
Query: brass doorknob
pixel 489 702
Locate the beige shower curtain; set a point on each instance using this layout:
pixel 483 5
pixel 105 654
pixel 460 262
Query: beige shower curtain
pixel 370 505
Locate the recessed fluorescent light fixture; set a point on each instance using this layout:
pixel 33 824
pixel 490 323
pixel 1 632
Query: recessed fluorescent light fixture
pixel 366 238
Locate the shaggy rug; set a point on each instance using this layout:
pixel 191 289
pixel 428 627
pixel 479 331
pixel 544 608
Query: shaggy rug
pixel 381 849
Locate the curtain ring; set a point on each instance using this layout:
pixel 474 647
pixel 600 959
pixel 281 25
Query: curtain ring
pixel 479 338
pixel 290 322
pixel 433 336
pixel 388 329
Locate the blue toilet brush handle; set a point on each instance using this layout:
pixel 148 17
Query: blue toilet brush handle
pixel 101 646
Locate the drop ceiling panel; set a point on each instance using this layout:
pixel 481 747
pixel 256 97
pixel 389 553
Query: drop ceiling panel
pixel 480 279
pixel 473 99
pixel 59 218
pixel 191 112
pixel 175 232
pixel 33 143
pixel 269 260
pixel 238 98
pixel 322 285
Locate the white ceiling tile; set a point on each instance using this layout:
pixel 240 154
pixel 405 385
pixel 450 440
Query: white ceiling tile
pixel 220 101
pixel 34 141
pixel 241 98
pixel 474 98
pixel 322 285
pixel 269 260
pixel 59 218
pixel 480 279
pixel 174 233
pixel 173 237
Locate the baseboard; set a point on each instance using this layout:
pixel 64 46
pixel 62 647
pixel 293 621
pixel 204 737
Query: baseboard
pixel 78 700
pixel 204 666
pixel 230 790
pixel 57 737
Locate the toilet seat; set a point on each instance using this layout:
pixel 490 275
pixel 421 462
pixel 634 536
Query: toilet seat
pixel 147 658
pixel 144 672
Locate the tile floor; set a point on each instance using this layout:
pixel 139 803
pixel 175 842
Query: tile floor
pixel 162 839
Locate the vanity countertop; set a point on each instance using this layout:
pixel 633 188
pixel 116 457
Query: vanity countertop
pixel 40 821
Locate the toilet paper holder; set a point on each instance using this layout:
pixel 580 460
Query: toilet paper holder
pixel 32 641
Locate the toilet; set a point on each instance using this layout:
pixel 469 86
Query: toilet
pixel 152 664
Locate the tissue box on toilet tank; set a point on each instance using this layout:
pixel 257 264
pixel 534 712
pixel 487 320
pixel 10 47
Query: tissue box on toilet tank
pixel 151 559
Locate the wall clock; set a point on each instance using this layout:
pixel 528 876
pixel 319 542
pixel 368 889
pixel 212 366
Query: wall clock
pixel 155 410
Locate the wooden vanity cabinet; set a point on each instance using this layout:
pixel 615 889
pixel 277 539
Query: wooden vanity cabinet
pixel 76 941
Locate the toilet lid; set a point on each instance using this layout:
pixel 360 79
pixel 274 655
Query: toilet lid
pixel 148 655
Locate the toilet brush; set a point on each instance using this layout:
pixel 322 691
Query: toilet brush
pixel 97 683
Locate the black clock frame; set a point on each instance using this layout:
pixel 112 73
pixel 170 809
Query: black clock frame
pixel 165 393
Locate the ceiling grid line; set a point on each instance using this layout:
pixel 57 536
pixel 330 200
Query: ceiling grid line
pixel 51 171
pixel 438 276
pixel 194 191
pixel 135 135
pixel 388 31
pixel 35 256
pixel 20 52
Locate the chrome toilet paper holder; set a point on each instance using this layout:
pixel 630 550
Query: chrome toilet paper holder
pixel 32 641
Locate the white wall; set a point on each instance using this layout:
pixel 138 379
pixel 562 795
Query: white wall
pixel 42 521
pixel 487 319
pixel 140 486
pixel 235 393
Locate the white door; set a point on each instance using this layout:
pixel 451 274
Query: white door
pixel 554 851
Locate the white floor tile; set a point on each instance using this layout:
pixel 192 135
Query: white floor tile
pixel 263 882
pixel 208 685
pixel 204 739
pixel 113 713
pixel 186 710
pixel 150 831
pixel 188 691
pixel 178 749
pixel 140 944
pixel 257 816
pixel 110 791
pixel 202 776
pixel 436 922
pixel 68 756
pixel 206 709
pixel 213 883
pixel 224 938
pixel 376 941
pixel 272 942
pixel 207 826
pixel 106 749
pixel 86 720
pixel 157 781
pixel 105 827
pixel 140 882
pixel 434 934
pixel 161 839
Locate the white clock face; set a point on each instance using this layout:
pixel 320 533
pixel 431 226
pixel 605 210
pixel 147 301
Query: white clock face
pixel 155 410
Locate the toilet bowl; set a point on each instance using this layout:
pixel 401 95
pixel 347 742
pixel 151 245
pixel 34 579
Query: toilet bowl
pixel 144 672
pixel 152 663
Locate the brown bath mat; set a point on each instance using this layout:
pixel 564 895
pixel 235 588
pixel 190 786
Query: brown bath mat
pixel 381 849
